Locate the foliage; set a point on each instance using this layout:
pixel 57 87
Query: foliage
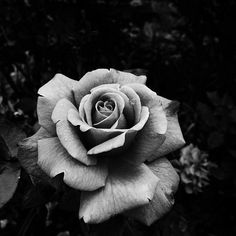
pixel 186 49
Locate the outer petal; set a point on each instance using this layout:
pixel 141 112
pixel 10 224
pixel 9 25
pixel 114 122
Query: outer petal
pixel 174 137
pixel 28 153
pixel 126 187
pixel 103 76
pixel 58 87
pixel 67 133
pixel 44 111
pixel 153 134
pixel 54 159
pixel 163 197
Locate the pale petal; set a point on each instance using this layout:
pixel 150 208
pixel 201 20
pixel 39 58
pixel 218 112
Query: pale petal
pixel 174 137
pixel 163 198
pixel 54 159
pixel 81 108
pixel 67 134
pixel 125 77
pixel 58 87
pixel 123 140
pixel 44 111
pixel 103 76
pixel 61 110
pixel 28 153
pixel 127 186
pixel 152 135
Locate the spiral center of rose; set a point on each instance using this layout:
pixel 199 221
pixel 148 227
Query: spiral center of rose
pixel 105 107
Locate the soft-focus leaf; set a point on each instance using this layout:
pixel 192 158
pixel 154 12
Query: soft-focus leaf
pixel 28 154
pixel 11 134
pixel 9 177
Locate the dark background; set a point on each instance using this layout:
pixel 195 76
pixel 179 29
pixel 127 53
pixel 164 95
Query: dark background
pixel 187 50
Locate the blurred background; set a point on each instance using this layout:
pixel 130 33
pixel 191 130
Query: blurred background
pixel 187 50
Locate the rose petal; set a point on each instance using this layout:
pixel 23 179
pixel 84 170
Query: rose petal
pixel 119 107
pixel 174 137
pixel 90 102
pixel 126 77
pixel 123 140
pixel 61 110
pixel 93 135
pixel 163 198
pixel 58 87
pixel 44 111
pixel 134 100
pixel 67 133
pixel 72 143
pixel 126 187
pixel 152 135
pixel 128 109
pixel 28 153
pixel 81 108
pixel 153 102
pixel 54 159
pixel 103 76
pixel 121 123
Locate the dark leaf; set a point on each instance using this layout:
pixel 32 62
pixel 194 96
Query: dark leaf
pixel 11 135
pixel 9 177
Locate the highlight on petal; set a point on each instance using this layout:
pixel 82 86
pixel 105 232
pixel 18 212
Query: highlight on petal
pixel 28 153
pixel 127 186
pixel 67 134
pixel 44 112
pixel 98 77
pixel 58 87
pixel 163 198
pixel 61 109
pixel 54 159
pixel 174 137
pixel 123 140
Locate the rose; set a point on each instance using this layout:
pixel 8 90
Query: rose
pixel 107 134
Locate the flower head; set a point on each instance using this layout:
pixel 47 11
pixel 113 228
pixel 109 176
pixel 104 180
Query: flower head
pixel 195 169
pixel 107 134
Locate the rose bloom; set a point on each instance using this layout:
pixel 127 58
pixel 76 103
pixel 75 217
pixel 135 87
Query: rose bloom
pixel 107 133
